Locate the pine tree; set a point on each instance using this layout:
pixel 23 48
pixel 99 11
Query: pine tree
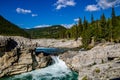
pixel 97 31
pixel 114 24
pixel 110 33
pixel 68 34
pixel 85 24
pixel 80 27
pixel 86 34
pixel 103 27
pixel 113 17
pixel 92 19
pixel 76 32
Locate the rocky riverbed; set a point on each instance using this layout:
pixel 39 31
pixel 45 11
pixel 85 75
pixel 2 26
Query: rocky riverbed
pixel 100 63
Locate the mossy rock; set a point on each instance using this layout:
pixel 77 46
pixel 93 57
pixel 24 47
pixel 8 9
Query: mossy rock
pixel 84 78
pixel 97 70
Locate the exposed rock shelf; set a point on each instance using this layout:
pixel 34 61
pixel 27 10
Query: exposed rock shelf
pixel 61 43
pixel 100 63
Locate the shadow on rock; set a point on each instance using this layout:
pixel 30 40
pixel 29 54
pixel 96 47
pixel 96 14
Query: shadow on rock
pixel 7 45
pixel 11 44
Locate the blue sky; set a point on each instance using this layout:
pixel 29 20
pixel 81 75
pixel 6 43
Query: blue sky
pixel 39 13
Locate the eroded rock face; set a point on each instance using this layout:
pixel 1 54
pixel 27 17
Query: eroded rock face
pixel 100 63
pixel 15 62
pixel 6 44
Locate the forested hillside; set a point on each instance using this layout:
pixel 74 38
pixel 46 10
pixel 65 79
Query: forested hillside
pixel 104 29
pixel 55 31
pixel 9 29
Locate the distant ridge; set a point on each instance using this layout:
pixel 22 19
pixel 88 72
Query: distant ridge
pixel 9 29
pixel 54 31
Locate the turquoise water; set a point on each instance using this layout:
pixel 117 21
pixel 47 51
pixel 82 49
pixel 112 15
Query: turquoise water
pixel 49 51
pixel 57 71
pixel 70 76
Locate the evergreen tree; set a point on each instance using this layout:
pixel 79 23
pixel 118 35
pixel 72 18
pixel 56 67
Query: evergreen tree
pixel 74 32
pixel 68 34
pixel 80 27
pixel 87 37
pixel 86 34
pixel 113 18
pixel 92 19
pixel 109 30
pixel 114 25
pixel 96 30
pixel 85 24
pixel 113 12
pixel 102 27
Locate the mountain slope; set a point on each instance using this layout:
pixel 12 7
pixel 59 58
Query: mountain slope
pixel 47 32
pixel 9 29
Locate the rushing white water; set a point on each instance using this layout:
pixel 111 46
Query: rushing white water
pixel 56 71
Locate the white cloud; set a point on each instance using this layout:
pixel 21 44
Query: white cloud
pixel 102 4
pixel 92 8
pixel 27 28
pixel 34 15
pixel 60 6
pixel 76 19
pixel 68 25
pixel 23 11
pixel 40 26
pixel 64 3
pixel 47 25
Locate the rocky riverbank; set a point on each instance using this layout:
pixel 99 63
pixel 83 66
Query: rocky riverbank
pixel 17 56
pixel 15 62
pixel 25 42
pixel 100 63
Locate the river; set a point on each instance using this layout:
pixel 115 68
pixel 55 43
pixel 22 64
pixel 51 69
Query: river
pixel 57 71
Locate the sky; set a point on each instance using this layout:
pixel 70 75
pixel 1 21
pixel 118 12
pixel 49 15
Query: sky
pixel 43 13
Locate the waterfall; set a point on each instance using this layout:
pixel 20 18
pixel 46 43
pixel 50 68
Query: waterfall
pixel 56 59
pixel 56 71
